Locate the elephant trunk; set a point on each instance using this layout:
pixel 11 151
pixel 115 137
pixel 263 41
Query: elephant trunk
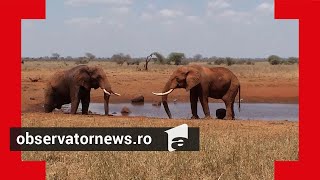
pixel 107 92
pixel 165 99
pixel 106 103
pixel 48 100
pixel 106 87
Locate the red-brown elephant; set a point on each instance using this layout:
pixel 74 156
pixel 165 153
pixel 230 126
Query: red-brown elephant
pixel 74 85
pixel 204 82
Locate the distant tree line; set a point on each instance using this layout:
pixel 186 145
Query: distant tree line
pixel 174 58
pixel 276 60
pixel 230 61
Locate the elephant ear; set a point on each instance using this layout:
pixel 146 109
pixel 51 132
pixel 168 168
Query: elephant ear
pixel 193 78
pixel 82 78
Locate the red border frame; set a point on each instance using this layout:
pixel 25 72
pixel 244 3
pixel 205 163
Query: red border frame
pixel 307 11
pixel 12 11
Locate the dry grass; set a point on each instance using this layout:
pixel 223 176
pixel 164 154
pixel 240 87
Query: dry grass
pixel 230 149
pixel 260 74
pixel 260 71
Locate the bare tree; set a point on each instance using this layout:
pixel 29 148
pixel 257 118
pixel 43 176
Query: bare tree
pixel 148 59
pixel 90 56
pixel 55 56
pixel 158 57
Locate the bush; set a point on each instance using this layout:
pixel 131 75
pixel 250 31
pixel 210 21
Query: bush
pixel 292 60
pixel 120 58
pixel 219 61
pixel 274 60
pixel 230 61
pixel 176 57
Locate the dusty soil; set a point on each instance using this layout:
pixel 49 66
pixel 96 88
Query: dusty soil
pixel 259 83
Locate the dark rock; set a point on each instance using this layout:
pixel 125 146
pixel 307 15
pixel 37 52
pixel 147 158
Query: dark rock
pixel 138 99
pixel 221 113
pixel 125 110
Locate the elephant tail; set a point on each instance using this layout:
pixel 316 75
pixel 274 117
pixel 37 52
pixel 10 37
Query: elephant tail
pixel 239 99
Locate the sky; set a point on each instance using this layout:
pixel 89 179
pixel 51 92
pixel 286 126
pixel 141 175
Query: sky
pixel 233 28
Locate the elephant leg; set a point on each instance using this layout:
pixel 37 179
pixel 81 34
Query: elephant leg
pixel 75 100
pixel 205 106
pixel 194 101
pixel 232 110
pixel 85 101
pixel 74 105
pixel 229 109
pixel 229 100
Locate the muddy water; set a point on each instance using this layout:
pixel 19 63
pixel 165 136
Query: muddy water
pixel 255 111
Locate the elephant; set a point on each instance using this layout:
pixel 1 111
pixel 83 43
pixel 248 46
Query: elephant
pixel 74 85
pixel 203 82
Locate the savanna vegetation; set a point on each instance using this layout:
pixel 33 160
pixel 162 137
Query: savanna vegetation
pixel 174 58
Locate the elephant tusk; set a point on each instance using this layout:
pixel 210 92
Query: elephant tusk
pixel 163 94
pixel 105 91
pixel 117 94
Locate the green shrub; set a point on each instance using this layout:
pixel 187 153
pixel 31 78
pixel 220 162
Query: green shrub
pixel 293 60
pixel 176 57
pixel 274 60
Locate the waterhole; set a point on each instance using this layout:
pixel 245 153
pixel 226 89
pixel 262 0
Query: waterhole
pixel 249 111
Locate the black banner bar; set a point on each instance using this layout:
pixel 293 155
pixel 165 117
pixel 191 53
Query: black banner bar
pixel 180 138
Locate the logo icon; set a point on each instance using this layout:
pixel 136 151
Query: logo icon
pixel 177 137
